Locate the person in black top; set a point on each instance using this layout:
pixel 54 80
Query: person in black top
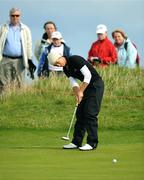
pixel 89 96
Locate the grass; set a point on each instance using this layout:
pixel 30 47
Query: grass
pixel 50 103
pixel 55 164
pixel 34 118
pixel 36 111
pixel 38 155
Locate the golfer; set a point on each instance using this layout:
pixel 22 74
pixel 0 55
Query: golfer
pixel 88 94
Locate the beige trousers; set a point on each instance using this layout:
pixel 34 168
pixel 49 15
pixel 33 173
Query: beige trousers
pixel 11 72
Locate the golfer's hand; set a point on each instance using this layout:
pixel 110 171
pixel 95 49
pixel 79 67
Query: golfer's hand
pixel 79 96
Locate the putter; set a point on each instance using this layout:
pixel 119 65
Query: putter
pixel 66 138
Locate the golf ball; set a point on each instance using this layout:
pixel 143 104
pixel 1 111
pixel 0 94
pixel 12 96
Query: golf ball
pixel 114 160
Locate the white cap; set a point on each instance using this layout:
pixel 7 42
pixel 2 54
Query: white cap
pixel 101 28
pixel 56 35
pixel 53 57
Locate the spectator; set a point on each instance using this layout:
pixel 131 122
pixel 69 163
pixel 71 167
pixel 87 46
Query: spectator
pixel 127 53
pixel 102 52
pixel 57 46
pixel 15 50
pixel 46 40
pixel 89 96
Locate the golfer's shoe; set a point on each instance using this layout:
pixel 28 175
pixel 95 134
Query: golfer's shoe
pixel 86 147
pixel 70 146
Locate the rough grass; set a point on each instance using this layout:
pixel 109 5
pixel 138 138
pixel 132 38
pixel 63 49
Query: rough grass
pixel 50 103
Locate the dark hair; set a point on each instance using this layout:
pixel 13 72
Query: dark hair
pixel 49 22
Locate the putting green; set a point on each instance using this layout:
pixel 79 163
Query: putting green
pixel 48 161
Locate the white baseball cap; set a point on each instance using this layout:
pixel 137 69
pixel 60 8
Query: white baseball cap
pixel 56 35
pixel 53 57
pixel 101 28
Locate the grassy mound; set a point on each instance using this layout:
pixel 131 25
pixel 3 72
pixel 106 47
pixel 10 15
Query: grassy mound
pixel 49 103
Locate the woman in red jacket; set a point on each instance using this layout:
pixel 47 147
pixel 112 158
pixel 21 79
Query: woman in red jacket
pixel 102 52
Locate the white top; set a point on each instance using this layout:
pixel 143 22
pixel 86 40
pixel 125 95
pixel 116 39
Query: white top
pixel 87 74
pixel 87 77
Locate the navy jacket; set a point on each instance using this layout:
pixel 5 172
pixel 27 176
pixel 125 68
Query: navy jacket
pixel 43 67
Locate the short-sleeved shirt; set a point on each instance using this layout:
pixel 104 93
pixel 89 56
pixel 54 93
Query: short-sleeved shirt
pixel 73 66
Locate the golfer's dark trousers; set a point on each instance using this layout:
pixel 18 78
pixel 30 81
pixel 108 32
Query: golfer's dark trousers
pixel 87 113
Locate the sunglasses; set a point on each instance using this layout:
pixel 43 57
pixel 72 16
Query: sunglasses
pixel 15 15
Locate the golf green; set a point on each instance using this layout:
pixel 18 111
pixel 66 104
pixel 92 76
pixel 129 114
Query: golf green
pixel 38 155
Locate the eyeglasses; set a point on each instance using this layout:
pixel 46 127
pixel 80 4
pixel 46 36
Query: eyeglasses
pixel 15 15
pixel 100 34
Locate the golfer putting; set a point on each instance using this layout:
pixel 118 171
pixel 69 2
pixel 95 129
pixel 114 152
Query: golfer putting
pixel 88 95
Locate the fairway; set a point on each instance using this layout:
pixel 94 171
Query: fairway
pixel 38 155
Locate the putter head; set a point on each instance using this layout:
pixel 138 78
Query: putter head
pixel 65 138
